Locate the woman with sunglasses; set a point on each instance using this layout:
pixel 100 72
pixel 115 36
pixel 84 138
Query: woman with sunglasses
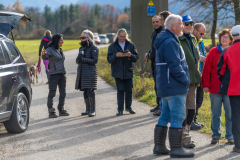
pixel 87 71
pixel 211 84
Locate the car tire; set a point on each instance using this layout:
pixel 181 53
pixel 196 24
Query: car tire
pixel 20 115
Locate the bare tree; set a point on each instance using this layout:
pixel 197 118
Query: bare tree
pixel 208 11
pixel 237 11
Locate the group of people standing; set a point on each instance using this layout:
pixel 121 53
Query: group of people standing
pixel 182 72
pixel 121 55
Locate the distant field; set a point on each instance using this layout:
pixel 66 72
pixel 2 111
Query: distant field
pixel 30 48
pixel 207 41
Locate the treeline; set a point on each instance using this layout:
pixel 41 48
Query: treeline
pixel 70 20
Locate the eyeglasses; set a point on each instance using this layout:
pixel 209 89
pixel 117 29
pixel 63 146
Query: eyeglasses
pixel 224 37
pixel 200 33
pixel 187 23
pixel 83 37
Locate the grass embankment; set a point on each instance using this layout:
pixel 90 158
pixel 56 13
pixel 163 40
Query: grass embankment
pixel 30 48
pixel 143 90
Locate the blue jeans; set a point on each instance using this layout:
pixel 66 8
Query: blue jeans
pixel 216 108
pixel 173 108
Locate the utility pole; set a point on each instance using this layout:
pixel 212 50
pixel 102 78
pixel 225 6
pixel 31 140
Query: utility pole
pixel 141 25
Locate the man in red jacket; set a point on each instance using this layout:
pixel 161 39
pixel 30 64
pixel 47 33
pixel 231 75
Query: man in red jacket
pixel 231 60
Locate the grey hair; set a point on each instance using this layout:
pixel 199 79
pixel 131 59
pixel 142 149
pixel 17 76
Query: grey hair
pixel 88 34
pixel 156 16
pixel 121 31
pixel 172 19
pixel 199 25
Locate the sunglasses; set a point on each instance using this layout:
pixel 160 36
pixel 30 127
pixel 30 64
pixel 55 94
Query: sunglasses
pixel 200 33
pixel 83 37
pixel 187 23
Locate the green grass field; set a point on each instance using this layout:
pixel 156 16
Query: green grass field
pixel 30 48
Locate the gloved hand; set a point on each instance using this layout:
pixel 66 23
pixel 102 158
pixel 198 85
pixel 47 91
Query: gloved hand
pixel 79 57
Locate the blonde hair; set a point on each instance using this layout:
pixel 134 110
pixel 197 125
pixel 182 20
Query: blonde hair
pixel 121 31
pixel 47 33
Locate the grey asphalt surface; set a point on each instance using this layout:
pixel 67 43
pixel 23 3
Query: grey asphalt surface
pixel 103 137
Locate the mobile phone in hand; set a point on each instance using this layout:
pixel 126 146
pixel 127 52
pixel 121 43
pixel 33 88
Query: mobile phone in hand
pixel 126 51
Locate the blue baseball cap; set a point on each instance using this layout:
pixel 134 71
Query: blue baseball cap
pixel 187 18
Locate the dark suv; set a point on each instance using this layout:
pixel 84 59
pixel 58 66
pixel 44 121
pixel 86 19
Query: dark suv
pixel 15 87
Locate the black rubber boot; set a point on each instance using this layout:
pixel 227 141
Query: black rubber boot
pixel 160 134
pixel 52 113
pixel 87 107
pixel 92 104
pixel 175 140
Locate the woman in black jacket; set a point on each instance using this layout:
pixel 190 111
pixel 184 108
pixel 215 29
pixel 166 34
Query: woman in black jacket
pixel 44 44
pixel 56 74
pixel 121 55
pixel 86 80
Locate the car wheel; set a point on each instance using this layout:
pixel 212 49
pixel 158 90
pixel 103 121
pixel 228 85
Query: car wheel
pixel 20 115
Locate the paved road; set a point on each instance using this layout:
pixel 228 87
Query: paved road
pixel 104 137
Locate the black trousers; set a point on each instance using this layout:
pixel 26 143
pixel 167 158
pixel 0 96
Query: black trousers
pixel 124 87
pixel 158 99
pixel 235 108
pixel 54 81
pixel 199 100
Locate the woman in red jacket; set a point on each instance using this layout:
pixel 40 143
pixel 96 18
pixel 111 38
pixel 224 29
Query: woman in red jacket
pixel 211 84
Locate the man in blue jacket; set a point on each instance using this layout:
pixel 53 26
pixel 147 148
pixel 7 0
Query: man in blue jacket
pixel 172 82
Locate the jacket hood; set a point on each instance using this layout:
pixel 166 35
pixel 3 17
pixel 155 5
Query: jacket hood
pixel 161 37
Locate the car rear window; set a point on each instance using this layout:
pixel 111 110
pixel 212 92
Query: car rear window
pixel 6 56
pixel 12 50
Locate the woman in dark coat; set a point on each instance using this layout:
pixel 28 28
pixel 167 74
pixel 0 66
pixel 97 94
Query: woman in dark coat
pixel 56 74
pixel 87 71
pixel 44 44
pixel 121 55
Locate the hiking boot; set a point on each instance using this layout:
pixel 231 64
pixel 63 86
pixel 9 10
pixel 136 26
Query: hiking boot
pixel 157 113
pixel 63 113
pixel 195 126
pixel 200 124
pixel 119 113
pixel 175 140
pixel 154 109
pixel 230 141
pixel 215 141
pixel 52 113
pixel 160 134
pixel 189 145
pixel 236 149
pixel 130 110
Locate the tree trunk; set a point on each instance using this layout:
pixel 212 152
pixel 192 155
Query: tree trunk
pixel 214 26
pixel 237 12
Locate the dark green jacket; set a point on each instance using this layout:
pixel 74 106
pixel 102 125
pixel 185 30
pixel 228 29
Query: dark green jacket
pixel 194 73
